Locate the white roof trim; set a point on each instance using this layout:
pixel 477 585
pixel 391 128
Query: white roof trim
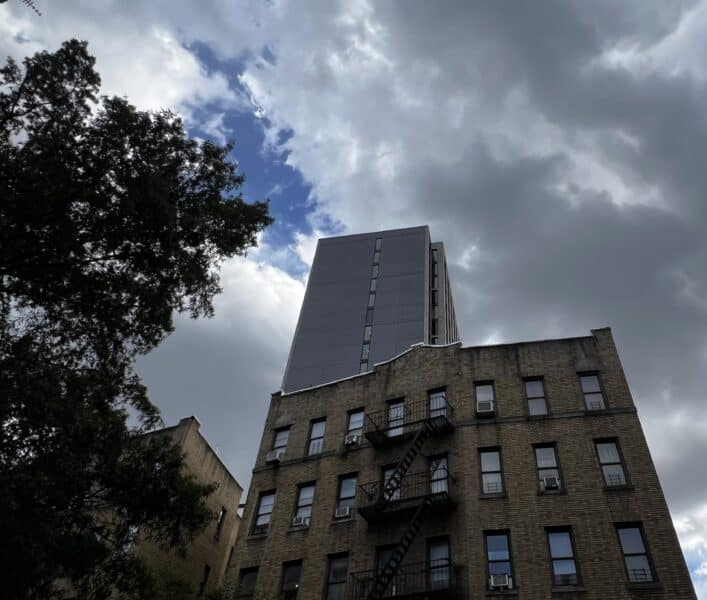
pixel 385 362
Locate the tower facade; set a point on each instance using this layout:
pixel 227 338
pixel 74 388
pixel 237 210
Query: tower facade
pixel 369 297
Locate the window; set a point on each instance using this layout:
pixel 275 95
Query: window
pixel 290 580
pixel 374 285
pixel 347 495
pixel 564 567
pixel 374 271
pixel 439 564
pixel 439 475
pixel 498 555
pixel 396 418
pixel 316 437
pixel 363 367
pixel 379 242
pixel 219 523
pixel 281 438
pixel 636 559
pixel 611 463
pixel 204 580
pixel 305 499
pixel 485 398
pixel 356 418
pixel 367 331
pixel 262 518
pixel 337 572
pixel 369 316
pixel 535 393
pixel 376 257
pixel 438 403
pixel 591 388
pixel 246 583
pixel 491 475
pixel 365 350
pixel 393 495
pixel 371 300
pixel 548 469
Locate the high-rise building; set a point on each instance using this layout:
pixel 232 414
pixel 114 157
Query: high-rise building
pixel 369 297
pixel 515 470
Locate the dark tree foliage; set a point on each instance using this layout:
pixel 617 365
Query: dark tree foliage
pixel 111 219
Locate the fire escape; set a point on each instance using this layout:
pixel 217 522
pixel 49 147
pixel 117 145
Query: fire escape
pixel 404 495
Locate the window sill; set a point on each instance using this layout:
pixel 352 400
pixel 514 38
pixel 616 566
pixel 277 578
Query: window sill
pixel 568 589
pixel 295 529
pixel 342 520
pixel 649 585
pixel 257 536
pixel 618 488
pixel 596 411
pixel 537 417
pixel 560 492
pixel 493 496
pixel 501 593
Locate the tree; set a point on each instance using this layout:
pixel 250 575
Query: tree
pixel 111 220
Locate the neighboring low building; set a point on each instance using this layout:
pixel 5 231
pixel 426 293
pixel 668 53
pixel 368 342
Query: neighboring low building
pixel 204 565
pixel 515 470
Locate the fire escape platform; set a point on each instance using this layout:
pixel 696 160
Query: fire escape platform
pixel 377 512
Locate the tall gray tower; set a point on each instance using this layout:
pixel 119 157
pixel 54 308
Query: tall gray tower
pixel 369 297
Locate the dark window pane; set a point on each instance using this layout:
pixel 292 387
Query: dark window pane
pixel 281 438
pixel 484 392
pixel 490 460
pixel 537 406
pixel 639 569
pixel 608 452
pixel 500 568
pixel 631 540
pixel 546 457
pixel 534 388
pixel 590 383
pixel 614 475
pixel 560 544
pixel 564 567
pixel 497 547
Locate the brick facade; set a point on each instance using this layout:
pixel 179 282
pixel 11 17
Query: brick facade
pixel 583 503
pixel 207 548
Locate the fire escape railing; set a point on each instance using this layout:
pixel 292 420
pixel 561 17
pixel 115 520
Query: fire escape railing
pixel 389 425
pixel 374 500
pixel 427 579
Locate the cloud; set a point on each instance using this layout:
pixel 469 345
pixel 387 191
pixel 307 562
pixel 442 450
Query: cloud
pixel 222 369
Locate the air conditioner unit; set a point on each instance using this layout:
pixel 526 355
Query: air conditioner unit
pixel 300 522
pixel 501 581
pixel 274 456
pixel 551 483
pixel 343 512
pixel 484 407
pixel 352 439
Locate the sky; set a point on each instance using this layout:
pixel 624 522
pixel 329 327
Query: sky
pixel 557 148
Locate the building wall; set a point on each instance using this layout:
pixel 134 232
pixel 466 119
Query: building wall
pixel 328 339
pixel 205 549
pixel 585 504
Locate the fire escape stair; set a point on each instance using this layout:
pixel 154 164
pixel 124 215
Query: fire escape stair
pixel 390 569
pixel 388 572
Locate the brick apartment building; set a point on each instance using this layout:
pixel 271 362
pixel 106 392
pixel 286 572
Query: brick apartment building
pixel 514 470
pixel 204 566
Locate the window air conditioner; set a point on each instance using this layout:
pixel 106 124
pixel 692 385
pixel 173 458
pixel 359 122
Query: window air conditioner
pixel 352 439
pixel 274 456
pixel 484 407
pixel 551 483
pixel 300 522
pixel 501 581
pixel 343 512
